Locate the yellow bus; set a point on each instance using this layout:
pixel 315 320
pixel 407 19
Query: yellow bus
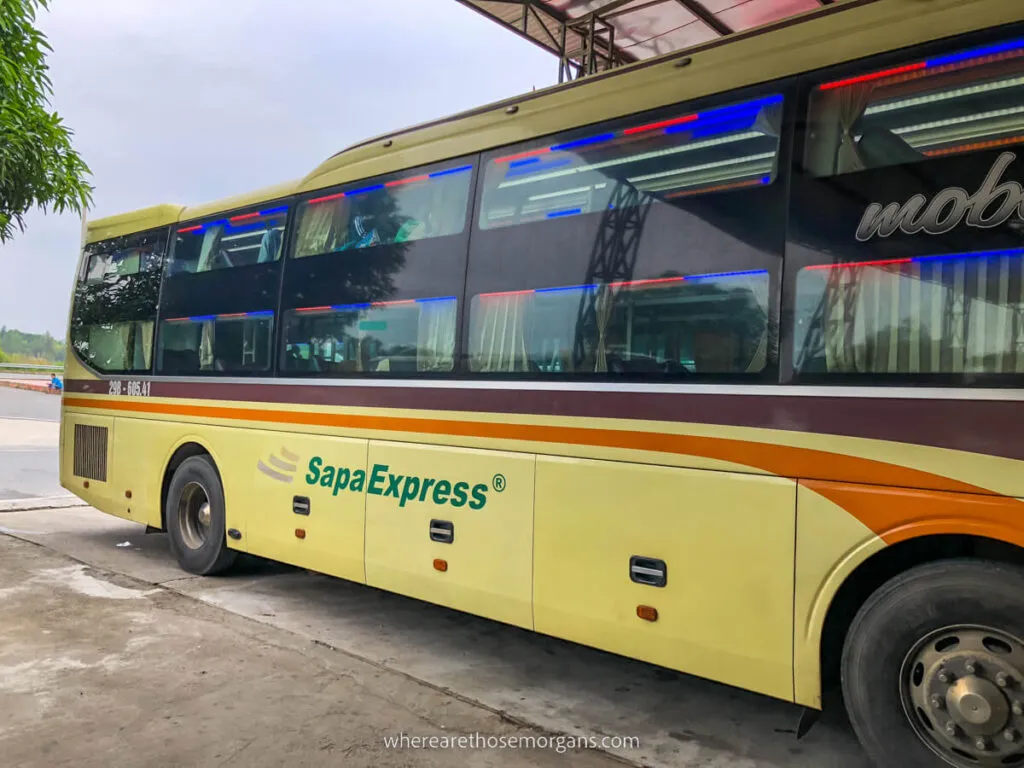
pixel 714 361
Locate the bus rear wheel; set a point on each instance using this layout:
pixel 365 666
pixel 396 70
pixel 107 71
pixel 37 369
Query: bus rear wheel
pixel 195 518
pixel 933 667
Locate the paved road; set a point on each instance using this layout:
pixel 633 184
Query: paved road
pixel 17 403
pixel 29 431
pixel 682 722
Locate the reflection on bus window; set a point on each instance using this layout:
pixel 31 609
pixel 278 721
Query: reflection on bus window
pixel 238 241
pixel 235 343
pixel 398 211
pixel 412 336
pixel 115 347
pixel 111 265
pixel 949 104
pixel 669 159
pixel 943 314
pixel 694 324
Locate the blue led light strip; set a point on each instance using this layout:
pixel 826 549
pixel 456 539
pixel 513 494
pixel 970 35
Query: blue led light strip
pixel 223 316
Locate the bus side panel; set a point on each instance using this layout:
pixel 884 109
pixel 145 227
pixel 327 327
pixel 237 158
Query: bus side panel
pixel 291 485
pixel 726 539
pixel 141 450
pixel 830 544
pixel 486 497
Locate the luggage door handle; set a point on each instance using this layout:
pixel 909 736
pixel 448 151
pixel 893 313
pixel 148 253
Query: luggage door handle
pixel 649 571
pixel 442 531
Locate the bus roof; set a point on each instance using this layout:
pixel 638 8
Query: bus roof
pixel 837 33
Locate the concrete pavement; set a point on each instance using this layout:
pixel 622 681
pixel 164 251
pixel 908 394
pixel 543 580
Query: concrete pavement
pixel 489 673
pixel 101 671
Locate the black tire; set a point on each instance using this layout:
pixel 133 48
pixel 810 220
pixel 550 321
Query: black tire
pixel 895 619
pixel 208 555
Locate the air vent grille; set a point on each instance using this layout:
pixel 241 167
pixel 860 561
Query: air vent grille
pixel 91 452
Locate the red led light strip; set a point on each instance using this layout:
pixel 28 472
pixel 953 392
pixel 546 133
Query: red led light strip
pixel 410 180
pixel 873 76
pixel 860 264
pixel 326 198
pixel 661 124
pixel 522 155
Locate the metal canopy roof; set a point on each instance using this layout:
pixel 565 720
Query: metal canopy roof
pixel 590 36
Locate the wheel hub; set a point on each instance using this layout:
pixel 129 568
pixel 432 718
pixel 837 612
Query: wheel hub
pixel 977 705
pixel 194 515
pixel 963 692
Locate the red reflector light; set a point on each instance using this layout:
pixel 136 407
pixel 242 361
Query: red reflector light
pixel 440 565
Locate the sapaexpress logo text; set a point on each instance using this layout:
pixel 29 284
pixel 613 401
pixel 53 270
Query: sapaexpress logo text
pixel 380 481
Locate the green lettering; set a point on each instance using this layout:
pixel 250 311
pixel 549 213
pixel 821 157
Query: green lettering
pixel 358 480
pixel 410 490
pixel 426 487
pixel 377 478
pixel 341 480
pixel 393 481
pixel 459 495
pixel 327 478
pixel 314 470
pixel 441 491
pixel 479 496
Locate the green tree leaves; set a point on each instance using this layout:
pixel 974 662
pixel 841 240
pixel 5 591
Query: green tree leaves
pixel 38 165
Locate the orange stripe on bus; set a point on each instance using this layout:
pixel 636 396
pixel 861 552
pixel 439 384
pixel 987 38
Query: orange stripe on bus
pixel 892 512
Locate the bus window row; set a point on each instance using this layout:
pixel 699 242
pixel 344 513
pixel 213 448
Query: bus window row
pixel 678 243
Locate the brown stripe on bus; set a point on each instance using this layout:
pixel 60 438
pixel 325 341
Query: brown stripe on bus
pixel 988 427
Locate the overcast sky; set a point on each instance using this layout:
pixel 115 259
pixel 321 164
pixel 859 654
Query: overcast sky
pixel 193 100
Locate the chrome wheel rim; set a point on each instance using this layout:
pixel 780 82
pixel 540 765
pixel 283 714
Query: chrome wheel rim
pixel 194 515
pixel 962 689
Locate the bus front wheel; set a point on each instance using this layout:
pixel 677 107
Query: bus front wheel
pixel 195 518
pixel 933 667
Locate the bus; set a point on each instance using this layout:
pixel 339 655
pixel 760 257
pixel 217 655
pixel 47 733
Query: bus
pixel 713 361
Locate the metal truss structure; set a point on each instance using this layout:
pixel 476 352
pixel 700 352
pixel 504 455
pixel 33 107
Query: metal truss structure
pixel 591 36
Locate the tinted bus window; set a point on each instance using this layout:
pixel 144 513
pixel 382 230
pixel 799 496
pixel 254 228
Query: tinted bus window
pixel 928 315
pixel 114 308
pixel 906 228
pixel 236 343
pixel 377 272
pixel 681 155
pixel 645 247
pixel 411 336
pixel 398 211
pixel 691 324
pixel 942 105
pixel 248 238
pixel 223 276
